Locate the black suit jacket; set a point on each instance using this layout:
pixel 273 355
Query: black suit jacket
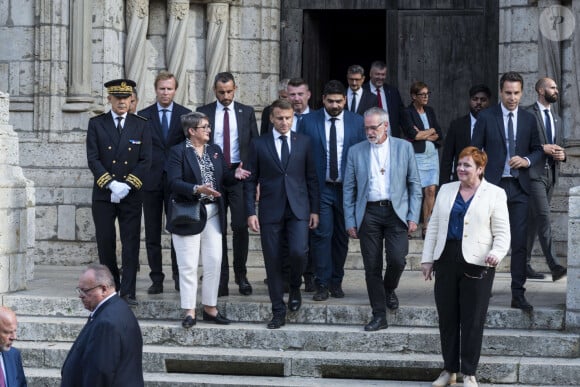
pixel 489 135
pixel 395 106
pixel 183 172
pixel 295 182
pixel 108 351
pixel 367 101
pixel 160 146
pixel 265 125
pixel 246 120
pixel 124 157
pixel 411 119
pixel 458 137
pixel 538 172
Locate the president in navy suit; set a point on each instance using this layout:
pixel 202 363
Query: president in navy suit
pixel 282 163
pixel 382 203
pixel 119 156
pixel 164 118
pixel 509 136
pixel 332 130
pixel 109 349
pixel 11 371
pixel 233 127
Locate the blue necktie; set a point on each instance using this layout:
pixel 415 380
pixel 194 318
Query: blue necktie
pixel 164 123
pixel 548 125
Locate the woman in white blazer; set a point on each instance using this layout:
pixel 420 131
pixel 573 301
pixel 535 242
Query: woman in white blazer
pixel 468 235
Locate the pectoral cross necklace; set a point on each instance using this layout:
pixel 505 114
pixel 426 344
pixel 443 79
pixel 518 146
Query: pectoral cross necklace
pixel 381 164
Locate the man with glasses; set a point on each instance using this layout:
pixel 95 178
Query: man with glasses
pixel 358 100
pixel 382 203
pixel 108 351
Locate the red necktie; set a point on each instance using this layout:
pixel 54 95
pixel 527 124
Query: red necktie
pixel 226 149
pixel 379 99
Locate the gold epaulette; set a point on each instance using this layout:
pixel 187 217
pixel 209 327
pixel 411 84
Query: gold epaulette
pixel 104 180
pixel 134 181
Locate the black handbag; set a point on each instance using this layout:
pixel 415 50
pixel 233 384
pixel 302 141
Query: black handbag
pixel 185 213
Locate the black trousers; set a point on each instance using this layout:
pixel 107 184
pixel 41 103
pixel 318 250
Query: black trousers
pixel 154 203
pixel 128 213
pixel 517 201
pixel 382 224
pixel 296 232
pixel 462 294
pixel 234 200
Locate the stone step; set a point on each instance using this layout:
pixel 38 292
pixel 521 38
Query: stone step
pixel 49 377
pixel 329 364
pixel 307 337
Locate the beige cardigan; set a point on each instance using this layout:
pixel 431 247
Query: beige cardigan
pixel 486 227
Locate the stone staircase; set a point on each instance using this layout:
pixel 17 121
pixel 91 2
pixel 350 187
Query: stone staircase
pixel 323 344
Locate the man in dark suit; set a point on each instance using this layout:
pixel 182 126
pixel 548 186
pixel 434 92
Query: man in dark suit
pixel 165 126
pixel 265 124
pixel 358 100
pixel 108 351
pixel 388 97
pixel 11 371
pixel 234 125
pixel 509 136
pixel 119 156
pixel 282 163
pixel 543 177
pixel 459 134
pixel 332 131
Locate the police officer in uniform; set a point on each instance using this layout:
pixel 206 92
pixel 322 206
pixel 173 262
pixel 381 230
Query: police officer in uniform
pixel 119 156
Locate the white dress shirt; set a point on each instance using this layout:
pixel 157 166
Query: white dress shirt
pixel 339 124
pixel 380 180
pixel 218 134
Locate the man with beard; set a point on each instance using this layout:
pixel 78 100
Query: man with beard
pixel 382 203
pixel 388 97
pixel 332 130
pixel 460 131
pixel 11 371
pixel 543 177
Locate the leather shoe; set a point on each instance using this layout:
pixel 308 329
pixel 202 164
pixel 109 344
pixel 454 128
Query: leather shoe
pixel 131 301
pixel 223 291
pixel 244 286
pixel 155 288
pixel 321 293
pixel 444 379
pixel 177 288
pixel 218 318
pixel 336 291
pixel 520 302
pixel 376 324
pixel 532 274
pixel 276 322
pixel 392 301
pixel 559 272
pixel 294 300
pixel 188 322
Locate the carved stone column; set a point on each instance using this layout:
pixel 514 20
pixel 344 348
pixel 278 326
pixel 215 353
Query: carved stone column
pixel 137 19
pixel 217 44
pixel 16 211
pixel 176 46
pixel 80 58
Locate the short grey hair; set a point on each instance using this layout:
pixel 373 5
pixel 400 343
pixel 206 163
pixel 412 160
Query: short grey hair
pixel 103 275
pixel 191 120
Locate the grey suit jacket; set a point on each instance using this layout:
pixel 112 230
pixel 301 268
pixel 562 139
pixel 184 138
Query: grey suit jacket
pixel 405 188
pixel 537 171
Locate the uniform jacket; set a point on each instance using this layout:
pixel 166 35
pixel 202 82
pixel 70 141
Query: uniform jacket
pixel 486 227
pixel 161 146
pixel 124 157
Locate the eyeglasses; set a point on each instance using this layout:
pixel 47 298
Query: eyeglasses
pixel 84 292
pixel 206 127
pixel 423 95
pixel 374 127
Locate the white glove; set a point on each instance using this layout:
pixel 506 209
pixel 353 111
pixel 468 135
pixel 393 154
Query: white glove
pixel 115 198
pixel 119 189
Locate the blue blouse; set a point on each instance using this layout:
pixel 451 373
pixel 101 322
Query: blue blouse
pixel 455 229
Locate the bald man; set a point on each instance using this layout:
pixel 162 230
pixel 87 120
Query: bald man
pixel 11 371
pixel 108 351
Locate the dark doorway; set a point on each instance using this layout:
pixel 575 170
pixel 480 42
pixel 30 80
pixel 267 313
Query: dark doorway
pixel 336 39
